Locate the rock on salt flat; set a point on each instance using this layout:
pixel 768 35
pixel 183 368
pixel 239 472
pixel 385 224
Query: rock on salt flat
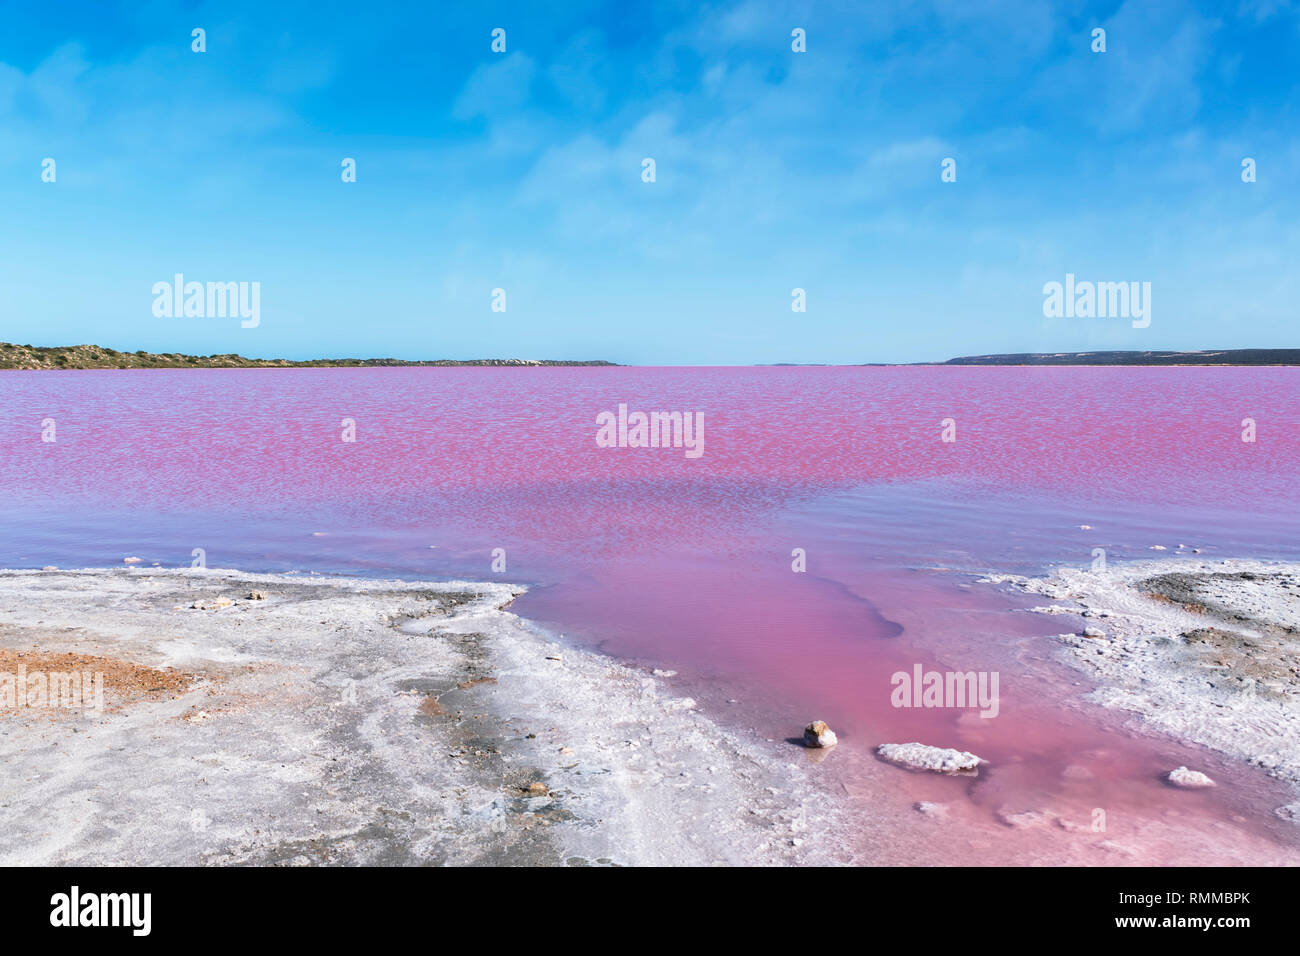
pixel 924 757
pixel 819 734
pixel 1192 779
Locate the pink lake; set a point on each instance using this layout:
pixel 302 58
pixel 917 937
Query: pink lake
pixel 685 563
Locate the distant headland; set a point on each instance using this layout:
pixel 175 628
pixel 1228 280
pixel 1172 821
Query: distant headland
pixel 95 356
pixel 1203 357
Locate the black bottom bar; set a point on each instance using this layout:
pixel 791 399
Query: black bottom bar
pixel 305 905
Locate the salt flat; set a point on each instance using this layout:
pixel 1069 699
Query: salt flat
pixel 1205 651
pixel 366 722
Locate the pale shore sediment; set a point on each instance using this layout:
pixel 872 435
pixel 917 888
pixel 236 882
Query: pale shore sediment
pixel 368 722
pixel 1204 651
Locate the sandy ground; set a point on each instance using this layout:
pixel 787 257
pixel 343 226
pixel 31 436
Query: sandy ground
pixel 1205 651
pixel 366 722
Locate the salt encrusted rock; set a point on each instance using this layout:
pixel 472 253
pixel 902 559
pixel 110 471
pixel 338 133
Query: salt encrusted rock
pixel 924 757
pixel 257 595
pixel 1192 779
pixel 131 560
pixel 929 809
pixel 1110 846
pixel 1071 827
pixel 818 734
pixel 213 605
pixel 1093 632
pixel 1027 819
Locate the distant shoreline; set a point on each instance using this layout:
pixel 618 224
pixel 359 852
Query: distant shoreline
pixel 85 357
pixel 88 357
pixel 1200 357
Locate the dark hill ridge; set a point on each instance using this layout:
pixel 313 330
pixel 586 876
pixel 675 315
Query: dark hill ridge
pixel 1204 357
pixel 94 356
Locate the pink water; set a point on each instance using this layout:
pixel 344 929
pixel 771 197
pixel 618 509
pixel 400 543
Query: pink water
pixel 686 563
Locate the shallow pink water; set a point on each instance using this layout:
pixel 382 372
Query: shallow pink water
pixel 686 563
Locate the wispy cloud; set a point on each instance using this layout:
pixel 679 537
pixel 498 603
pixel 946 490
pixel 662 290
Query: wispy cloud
pixel 773 169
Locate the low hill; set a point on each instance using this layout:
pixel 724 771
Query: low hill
pixel 95 356
pixel 1204 357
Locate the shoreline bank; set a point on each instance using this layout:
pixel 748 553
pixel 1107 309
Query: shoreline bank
pixel 1204 652
pixel 283 719
pixel 356 721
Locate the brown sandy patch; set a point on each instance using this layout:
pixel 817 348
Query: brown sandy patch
pixel 123 681
pixel 432 707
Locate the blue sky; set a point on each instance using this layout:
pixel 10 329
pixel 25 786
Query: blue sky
pixel 775 170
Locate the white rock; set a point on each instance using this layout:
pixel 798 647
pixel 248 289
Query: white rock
pixel 924 757
pixel 1093 632
pixel 131 560
pixel 1194 779
pixel 930 809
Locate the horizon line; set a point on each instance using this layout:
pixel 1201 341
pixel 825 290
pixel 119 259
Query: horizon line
pixel 89 357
